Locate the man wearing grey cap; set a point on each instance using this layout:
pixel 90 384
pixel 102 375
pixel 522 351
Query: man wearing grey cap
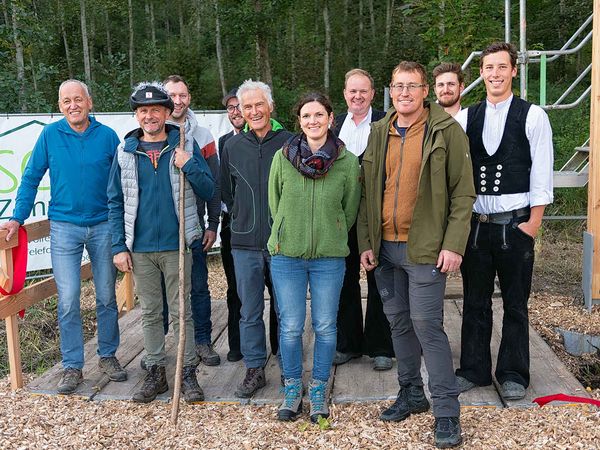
pixel 143 195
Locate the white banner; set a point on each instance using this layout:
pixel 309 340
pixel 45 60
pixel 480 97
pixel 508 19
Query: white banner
pixel 18 135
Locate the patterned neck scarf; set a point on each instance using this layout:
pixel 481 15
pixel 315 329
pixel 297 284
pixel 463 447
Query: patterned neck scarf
pixel 309 164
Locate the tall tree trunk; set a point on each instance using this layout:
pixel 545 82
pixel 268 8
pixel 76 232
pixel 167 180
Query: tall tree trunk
pixel 198 17
pixel 19 57
pixel 389 8
pixel 63 31
pixel 293 46
pixel 346 28
pixel 33 76
pixel 180 17
pixel 262 49
pixel 92 39
pixel 152 24
pixel 130 15
pixel 327 46
pixel 108 38
pixel 219 48
pixel 360 31
pixel 441 50
pixel 372 17
pixel 86 49
pixel 5 12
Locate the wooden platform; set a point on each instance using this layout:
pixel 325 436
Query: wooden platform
pixel 354 381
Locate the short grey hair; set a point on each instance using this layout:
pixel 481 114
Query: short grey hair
pixel 251 85
pixel 80 83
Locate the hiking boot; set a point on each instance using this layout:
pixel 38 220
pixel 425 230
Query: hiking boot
pixel 411 400
pixel 447 432
pixel 190 389
pixel 207 355
pixel 253 381
pixel 111 367
pixel 69 381
pixel 234 356
pixel 512 391
pixel 292 400
pixel 463 384
pixel 317 394
pixel 155 383
pixel 342 358
pixel 382 363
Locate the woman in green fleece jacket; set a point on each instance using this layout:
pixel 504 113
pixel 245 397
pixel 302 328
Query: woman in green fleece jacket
pixel 314 193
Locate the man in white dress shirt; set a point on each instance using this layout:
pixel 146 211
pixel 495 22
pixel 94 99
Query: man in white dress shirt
pixel 512 154
pixel 375 340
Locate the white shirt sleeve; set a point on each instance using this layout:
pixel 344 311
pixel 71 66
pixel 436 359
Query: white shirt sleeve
pixel 539 134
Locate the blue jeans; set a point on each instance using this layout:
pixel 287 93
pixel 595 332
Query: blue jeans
pixel 291 276
pixel 250 268
pixel 200 297
pixel 66 248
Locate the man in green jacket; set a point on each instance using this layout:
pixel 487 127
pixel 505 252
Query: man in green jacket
pixel 414 226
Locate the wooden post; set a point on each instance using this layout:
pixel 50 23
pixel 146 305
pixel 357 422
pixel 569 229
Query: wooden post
pixel 14 352
pixel 593 223
pixel 128 280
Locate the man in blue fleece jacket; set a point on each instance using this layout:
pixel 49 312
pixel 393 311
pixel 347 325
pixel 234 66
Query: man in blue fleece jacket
pixel 143 199
pixel 78 151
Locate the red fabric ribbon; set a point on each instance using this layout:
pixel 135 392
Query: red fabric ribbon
pixel 565 398
pixel 19 256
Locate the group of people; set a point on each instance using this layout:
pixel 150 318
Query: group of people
pixel 410 194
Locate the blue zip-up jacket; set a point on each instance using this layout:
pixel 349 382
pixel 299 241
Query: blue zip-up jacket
pixel 156 228
pixel 79 165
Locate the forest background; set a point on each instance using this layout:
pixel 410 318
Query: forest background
pixel 294 46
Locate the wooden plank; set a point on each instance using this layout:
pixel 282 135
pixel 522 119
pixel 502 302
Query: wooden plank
pixel 35 293
pixel 37 230
pixel 6 269
pixel 349 382
pixel 14 352
pixel 130 331
pixel 593 223
pixel 548 375
pixel 479 396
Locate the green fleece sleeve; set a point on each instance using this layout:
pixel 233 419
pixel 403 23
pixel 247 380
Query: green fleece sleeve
pixel 351 198
pixel 461 189
pixel 275 183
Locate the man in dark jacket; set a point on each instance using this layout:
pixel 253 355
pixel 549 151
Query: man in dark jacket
pixel 143 199
pixel 353 128
pixel 245 165
pixel 413 225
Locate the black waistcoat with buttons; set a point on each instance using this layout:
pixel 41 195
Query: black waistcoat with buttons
pixel 507 170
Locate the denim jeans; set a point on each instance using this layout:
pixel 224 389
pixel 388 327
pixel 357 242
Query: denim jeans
pixel 67 242
pixel 251 267
pixel 200 297
pixel 291 276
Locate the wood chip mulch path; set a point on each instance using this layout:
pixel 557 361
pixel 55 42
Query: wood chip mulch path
pixel 55 422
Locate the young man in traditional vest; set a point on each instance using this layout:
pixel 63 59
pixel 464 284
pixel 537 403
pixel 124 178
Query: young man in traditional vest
pixel 511 150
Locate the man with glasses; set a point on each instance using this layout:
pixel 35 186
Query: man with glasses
pixel 448 85
pixel 353 128
pixel 413 226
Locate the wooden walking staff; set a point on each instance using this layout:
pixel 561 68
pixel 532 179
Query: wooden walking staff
pixel 181 345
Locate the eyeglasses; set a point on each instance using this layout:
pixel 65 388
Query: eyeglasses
pixel 411 87
pixel 232 108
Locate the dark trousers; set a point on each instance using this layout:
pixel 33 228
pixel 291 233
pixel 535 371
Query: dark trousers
pixel 376 340
pixel 234 303
pixel 509 252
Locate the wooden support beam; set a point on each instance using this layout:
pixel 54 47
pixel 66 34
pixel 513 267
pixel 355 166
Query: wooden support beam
pixel 125 299
pixel 14 352
pixel 6 269
pixel 593 223
pixel 35 293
